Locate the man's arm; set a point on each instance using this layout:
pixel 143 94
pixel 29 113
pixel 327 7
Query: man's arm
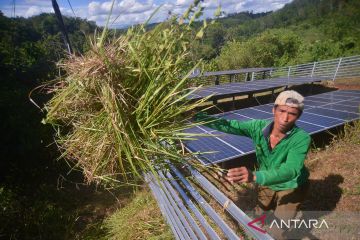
pixel 227 126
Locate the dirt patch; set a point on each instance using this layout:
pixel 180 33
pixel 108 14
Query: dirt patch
pixel 345 84
pixel 334 178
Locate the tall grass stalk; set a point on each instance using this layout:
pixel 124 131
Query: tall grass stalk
pixel 120 102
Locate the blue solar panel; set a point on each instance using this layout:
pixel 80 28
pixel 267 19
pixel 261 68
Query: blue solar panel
pixel 316 99
pixel 334 114
pixel 234 89
pixel 212 147
pixel 351 102
pixel 266 108
pixel 348 93
pixel 199 129
pixel 319 120
pixel 327 98
pixel 308 127
pixel 240 142
pixel 334 98
pixel 310 103
pixel 212 150
pixel 238 117
pixel 330 97
pixel 327 110
pixel 341 107
pixel 253 113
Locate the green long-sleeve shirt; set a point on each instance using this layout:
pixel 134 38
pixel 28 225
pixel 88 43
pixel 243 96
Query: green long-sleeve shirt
pixel 280 168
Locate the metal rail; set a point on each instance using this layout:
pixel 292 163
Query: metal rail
pixel 344 67
pixel 234 211
pixel 175 196
pixel 333 69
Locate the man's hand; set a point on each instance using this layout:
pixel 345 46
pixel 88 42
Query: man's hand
pixel 241 174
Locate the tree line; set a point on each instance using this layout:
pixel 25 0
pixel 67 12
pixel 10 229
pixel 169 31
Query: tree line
pixel 302 31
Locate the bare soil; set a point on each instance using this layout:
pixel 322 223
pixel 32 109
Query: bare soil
pixel 334 178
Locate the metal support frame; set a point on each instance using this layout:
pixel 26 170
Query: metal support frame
pixel 337 69
pixel 313 69
pixel 252 76
pixel 246 77
pixel 289 71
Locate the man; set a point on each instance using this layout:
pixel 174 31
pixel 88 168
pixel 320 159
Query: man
pixel 281 148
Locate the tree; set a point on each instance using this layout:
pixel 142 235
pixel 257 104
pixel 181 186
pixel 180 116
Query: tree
pixel 271 48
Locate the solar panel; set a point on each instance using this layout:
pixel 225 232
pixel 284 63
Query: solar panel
pixel 322 112
pixel 253 113
pixel 345 116
pixel 236 117
pixel 266 108
pixel 231 72
pixel 342 107
pixel 313 103
pixel 240 88
pixel 308 127
pixel 319 120
pixel 214 146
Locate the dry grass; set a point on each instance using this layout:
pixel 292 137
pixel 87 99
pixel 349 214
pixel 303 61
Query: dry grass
pixel 345 83
pixel 140 219
pixel 119 105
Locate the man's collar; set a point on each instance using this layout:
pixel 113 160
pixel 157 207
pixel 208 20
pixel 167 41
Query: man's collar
pixel 268 128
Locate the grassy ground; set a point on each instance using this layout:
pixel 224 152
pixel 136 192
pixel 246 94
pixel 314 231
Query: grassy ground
pixel 139 219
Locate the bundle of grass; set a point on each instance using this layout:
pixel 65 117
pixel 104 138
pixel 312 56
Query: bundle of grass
pixel 119 103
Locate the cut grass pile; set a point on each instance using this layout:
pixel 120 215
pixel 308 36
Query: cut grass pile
pixel 117 106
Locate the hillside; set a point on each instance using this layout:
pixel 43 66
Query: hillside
pixel 302 31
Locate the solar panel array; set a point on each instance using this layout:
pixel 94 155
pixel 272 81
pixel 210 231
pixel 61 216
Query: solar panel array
pixel 322 112
pixel 240 88
pixel 231 72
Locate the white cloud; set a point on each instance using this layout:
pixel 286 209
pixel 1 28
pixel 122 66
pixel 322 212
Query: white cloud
pixel 257 5
pixel 132 6
pixel 184 2
pixel 137 11
pixel 30 11
pixel 33 10
pixel 127 11
pixel 211 4
pixel 93 8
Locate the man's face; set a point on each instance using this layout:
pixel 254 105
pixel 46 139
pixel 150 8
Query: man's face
pixel 285 117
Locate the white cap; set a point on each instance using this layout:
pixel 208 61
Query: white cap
pixel 290 98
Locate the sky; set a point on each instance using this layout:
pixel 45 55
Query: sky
pixel 130 12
